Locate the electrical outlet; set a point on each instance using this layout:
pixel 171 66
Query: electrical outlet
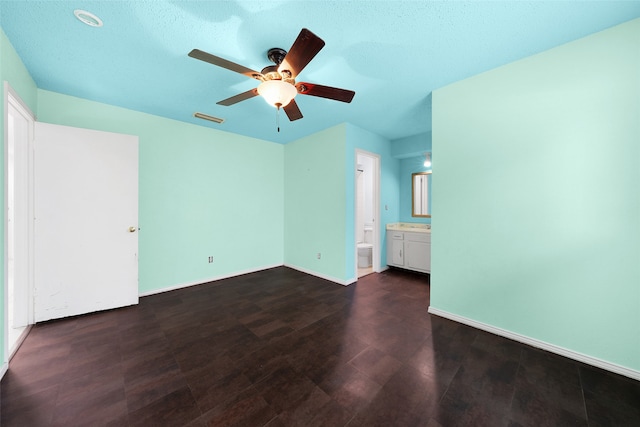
pixel 319 255
pixel 210 259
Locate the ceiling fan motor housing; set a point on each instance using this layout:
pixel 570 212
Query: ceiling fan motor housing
pixel 276 55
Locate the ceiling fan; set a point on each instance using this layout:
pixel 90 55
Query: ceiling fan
pixel 278 86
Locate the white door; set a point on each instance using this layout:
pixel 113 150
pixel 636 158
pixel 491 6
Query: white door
pixel 417 255
pixel 86 221
pixel 19 219
pixel 397 247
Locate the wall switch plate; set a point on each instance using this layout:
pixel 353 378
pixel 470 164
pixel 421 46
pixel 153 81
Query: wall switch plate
pixel 319 255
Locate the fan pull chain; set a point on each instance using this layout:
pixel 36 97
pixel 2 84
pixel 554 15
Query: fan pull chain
pixel 278 116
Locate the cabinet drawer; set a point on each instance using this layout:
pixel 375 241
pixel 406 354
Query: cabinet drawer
pixel 397 235
pixel 418 237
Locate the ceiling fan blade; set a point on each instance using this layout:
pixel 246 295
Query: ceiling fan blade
pixel 239 97
pixel 328 92
pixel 292 110
pixel 221 62
pixel 306 46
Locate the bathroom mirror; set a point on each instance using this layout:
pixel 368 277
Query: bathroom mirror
pixel 421 197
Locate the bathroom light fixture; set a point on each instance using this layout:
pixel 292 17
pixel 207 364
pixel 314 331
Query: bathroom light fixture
pixel 277 92
pixel 427 160
pixel 88 18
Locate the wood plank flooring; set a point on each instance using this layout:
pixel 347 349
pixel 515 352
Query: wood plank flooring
pixel 282 348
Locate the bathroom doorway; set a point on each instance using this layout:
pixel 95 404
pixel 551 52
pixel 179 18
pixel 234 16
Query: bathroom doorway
pixel 367 208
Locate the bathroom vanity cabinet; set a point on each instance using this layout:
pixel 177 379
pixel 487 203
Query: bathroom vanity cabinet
pixel 409 249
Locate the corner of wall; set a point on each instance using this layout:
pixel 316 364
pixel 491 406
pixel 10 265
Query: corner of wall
pixel 314 214
pixel 412 146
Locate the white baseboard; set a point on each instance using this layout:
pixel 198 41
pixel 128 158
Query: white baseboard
pixel 240 273
pixel 323 276
pixel 207 280
pixel 3 369
pixel 19 341
pixel 589 360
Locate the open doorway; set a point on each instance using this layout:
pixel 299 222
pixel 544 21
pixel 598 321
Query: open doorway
pixel 366 210
pixel 18 279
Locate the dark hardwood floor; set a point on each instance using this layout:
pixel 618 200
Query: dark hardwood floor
pixel 280 348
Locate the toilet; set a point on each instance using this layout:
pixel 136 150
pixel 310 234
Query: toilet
pixel 365 249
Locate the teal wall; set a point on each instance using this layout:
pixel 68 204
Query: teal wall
pixel 201 192
pixel 412 146
pixel 408 167
pixel 315 203
pixel 411 151
pixel 358 138
pixel 14 72
pixel 537 201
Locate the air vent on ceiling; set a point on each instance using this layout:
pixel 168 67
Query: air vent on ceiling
pixel 208 117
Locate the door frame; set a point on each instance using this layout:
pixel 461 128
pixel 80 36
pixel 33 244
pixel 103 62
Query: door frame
pixel 376 251
pixel 12 97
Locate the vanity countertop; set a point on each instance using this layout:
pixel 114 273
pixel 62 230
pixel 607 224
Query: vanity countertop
pixel 410 226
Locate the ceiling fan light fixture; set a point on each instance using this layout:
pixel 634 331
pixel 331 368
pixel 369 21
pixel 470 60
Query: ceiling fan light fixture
pixel 277 92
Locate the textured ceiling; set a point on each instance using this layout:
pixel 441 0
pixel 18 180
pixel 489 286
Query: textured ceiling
pixel 391 53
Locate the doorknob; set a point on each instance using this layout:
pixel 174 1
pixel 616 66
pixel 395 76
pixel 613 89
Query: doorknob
pixel 132 229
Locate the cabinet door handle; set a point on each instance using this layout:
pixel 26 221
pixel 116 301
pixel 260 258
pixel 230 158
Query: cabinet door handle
pixel 400 252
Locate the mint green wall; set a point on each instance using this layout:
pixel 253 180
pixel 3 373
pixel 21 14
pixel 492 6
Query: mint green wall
pixel 537 201
pixel 320 199
pixel 201 192
pixel 314 213
pixel 358 138
pixel 13 71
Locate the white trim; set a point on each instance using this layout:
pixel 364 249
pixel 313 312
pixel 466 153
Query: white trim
pixel 203 281
pixel 580 357
pixel 5 243
pixel 323 276
pixel 3 369
pixel 20 340
pixel 10 96
pixel 21 103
